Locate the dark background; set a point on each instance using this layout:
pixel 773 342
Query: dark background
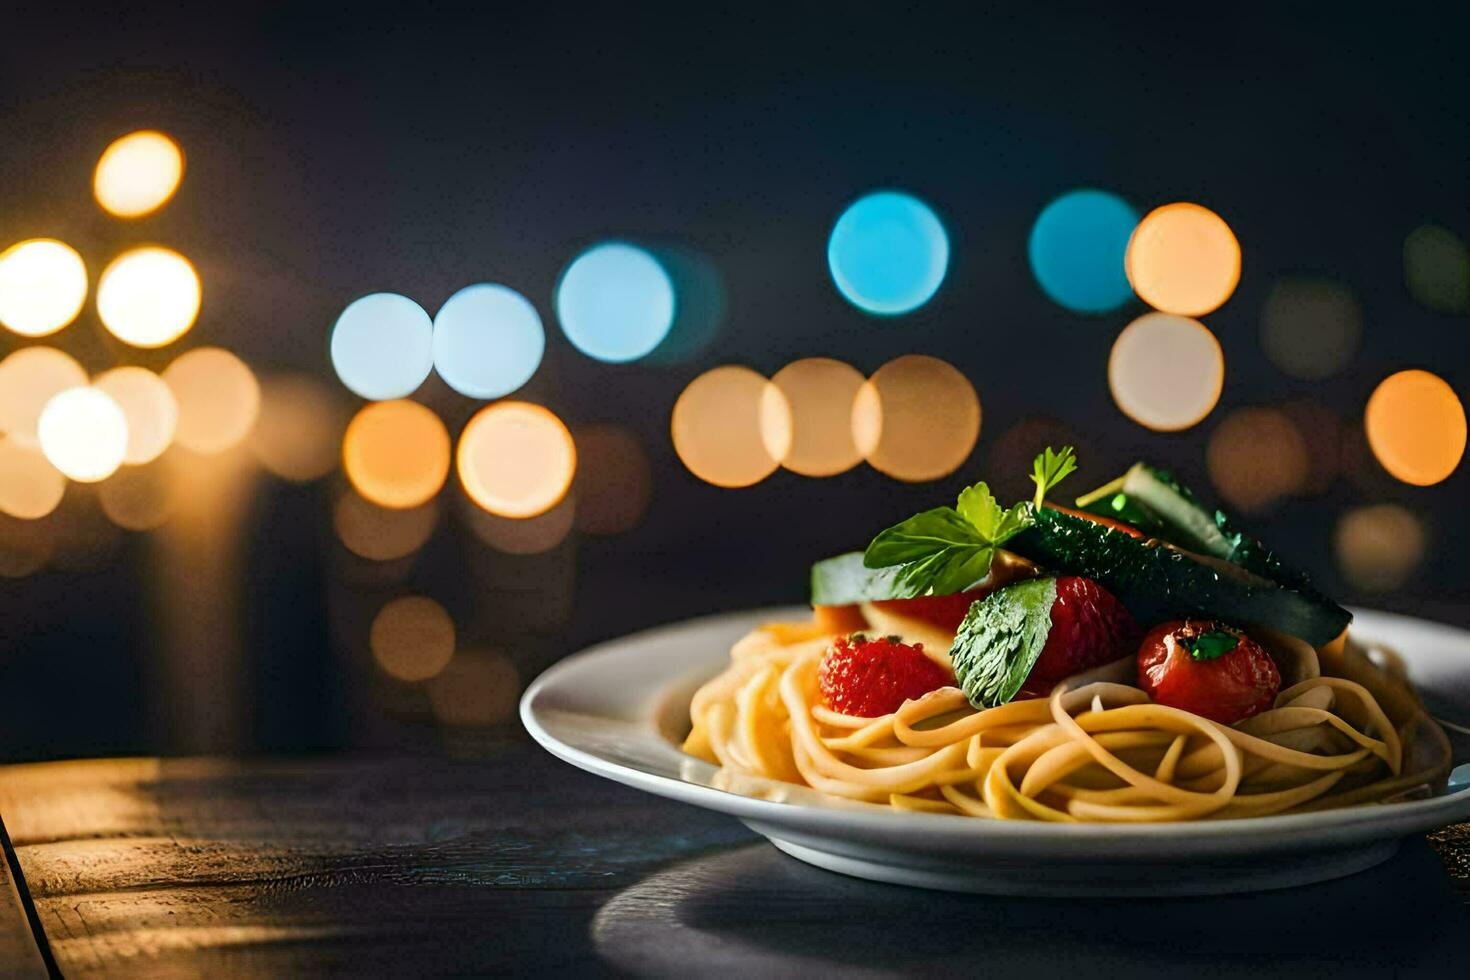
pixel 333 152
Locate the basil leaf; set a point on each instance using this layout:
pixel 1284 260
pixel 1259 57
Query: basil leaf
pixel 1210 645
pixel 1001 639
pixel 921 536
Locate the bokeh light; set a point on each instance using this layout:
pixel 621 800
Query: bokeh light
pixel 888 253
pixel 1416 426
pixel 29 378
pixel 218 399
pixel 1256 457
pixel 1437 269
pixel 731 427
pixel 1183 259
pixel 477 689
pixel 396 453
pixel 383 346
pixel 138 173
pixel 1166 372
pixel 1323 436
pixel 516 459
pixel 139 498
pixel 148 403
pixel 1077 248
pixel 43 285
pixel 299 432
pixel 149 296
pixel 25 545
pixel 615 302
pixel 1379 547
pixel 84 434
pixel 382 533
pixel 614 481
pixel 1310 327
pixel 412 638
pixel 30 487
pixel 701 306
pixel 84 540
pixel 523 535
pixel 488 341
pixel 820 392
pixel 916 419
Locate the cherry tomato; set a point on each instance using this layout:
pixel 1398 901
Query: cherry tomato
pixel 1194 665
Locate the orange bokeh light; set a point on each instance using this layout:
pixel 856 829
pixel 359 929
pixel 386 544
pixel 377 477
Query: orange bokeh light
pixel 396 453
pixel 820 392
pixel 1183 259
pixel 412 638
pixel 1166 372
pixel 1416 426
pixel 516 459
pixel 30 487
pixel 29 378
pixel 916 419
pixel 731 427
pixel 218 399
pixel 382 533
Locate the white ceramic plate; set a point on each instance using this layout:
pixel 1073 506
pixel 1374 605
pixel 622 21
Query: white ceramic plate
pixel 620 709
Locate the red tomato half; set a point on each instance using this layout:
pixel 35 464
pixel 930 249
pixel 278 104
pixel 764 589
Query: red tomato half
pixel 1227 688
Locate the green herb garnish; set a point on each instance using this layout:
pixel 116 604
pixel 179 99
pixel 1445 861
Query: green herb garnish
pixel 1050 468
pixel 1210 645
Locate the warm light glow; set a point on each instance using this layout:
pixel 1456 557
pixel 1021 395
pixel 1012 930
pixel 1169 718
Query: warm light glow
pixel 29 378
pixel 888 253
pixel 383 346
pixel 732 427
pixel 25 546
pixel 299 432
pixel 43 284
pixel 488 341
pixel 614 479
pixel 139 498
pixel 1077 247
pixel 916 419
pixel 138 173
pixel 412 638
pixel 1183 259
pixel 382 533
pixel 84 434
pixel 149 296
pixel 820 392
pixel 523 535
pixel 516 459
pixel 1310 327
pixel 30 487
pixel 615 302
pixel 396 453
pixel 477 688
pixel 1416 426
pixel 148 404
pixel 218 399
pixel 1256 456
pixel 1322 434
pixel 1166 372
pixel 1437 269
pixel 1379 547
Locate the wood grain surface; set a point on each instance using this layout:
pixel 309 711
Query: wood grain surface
pixel 516 863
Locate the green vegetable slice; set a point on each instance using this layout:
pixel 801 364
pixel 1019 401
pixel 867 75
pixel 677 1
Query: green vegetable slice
pixel 1001 639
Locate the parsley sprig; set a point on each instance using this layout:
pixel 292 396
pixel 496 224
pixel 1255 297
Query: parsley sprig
pixel 948 549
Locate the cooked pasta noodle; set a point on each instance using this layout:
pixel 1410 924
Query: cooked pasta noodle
pixel 1096 749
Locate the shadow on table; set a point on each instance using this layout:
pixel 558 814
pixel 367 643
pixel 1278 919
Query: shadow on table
pixel 756 911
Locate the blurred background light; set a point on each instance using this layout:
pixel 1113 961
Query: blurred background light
pixel 218 399
pixel 43 286
pixel 412 638
pixel 1166 372
pixel 1184 259
pixel 1379 547
pixel 84 539
pixel 1310 327
pixel 148 296
pixel 383 346
pixel 615 302
pixel 488 341
pixel 139 498
pixel 148 403
pixel 522 535
pixel 477 689
pixel 731 427
pixel 1256 457
pixel 820 392
pixel 1077 249
pixel 30 487
pixel 888 253
pixel 1437 269
pixel 916 419
pixel 701 304
pixel 382 533
pixel 516 459
pixel 25 545
pixel 299 432
pixel 614 481
pixel 29 378
pixel 84 434
pixel 1322 434
pixel 138 173
pixel 1416 426
pixel 396 453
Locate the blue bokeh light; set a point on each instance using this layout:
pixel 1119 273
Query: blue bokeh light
pixel 615 302
pixel 888 253
pixel 383 346
pixel 1077 248
pixel 488 341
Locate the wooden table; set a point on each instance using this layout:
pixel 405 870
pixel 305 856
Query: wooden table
pixel 514 862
